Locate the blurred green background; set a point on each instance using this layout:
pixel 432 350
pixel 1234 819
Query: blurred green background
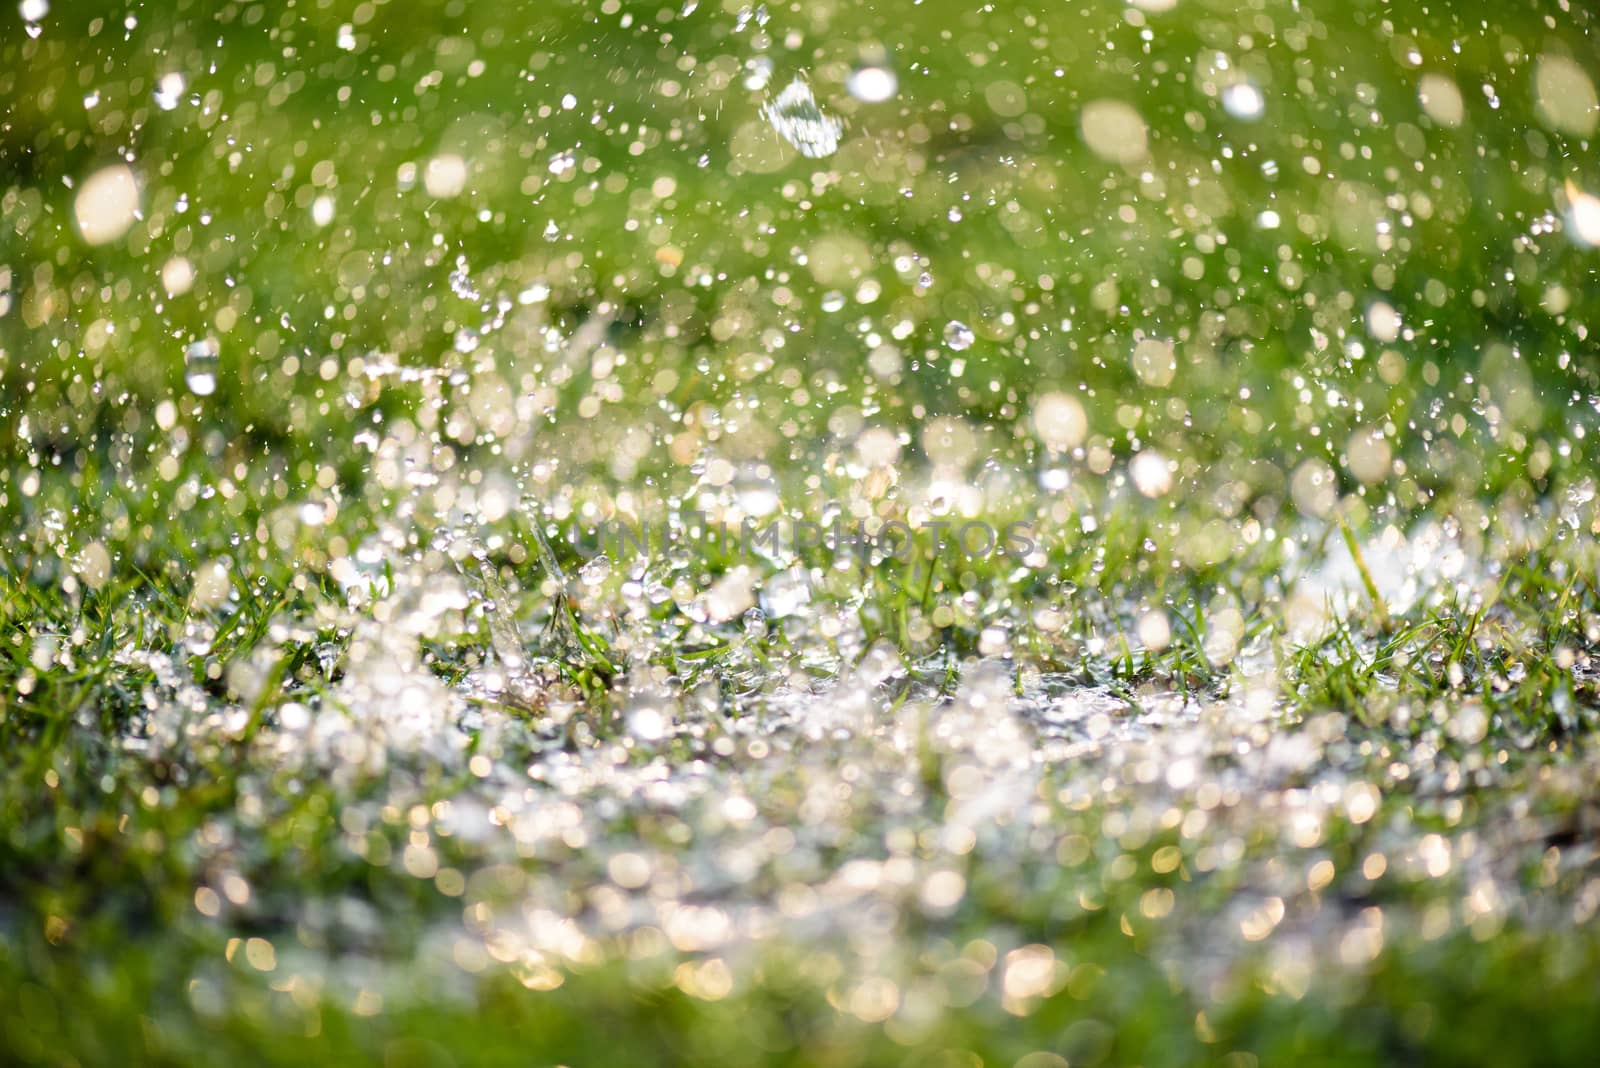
pixel 614 154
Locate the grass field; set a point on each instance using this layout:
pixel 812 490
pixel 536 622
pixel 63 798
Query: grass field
pixel 823 534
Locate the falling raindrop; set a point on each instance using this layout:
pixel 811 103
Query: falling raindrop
pixel 107 204
pixel 958 335
pixel 200 361
pixel 798 119
pixel 1152 473
pixel 1585 215
pixel 169 91
pixel 32 12
pixel 757 73
pixel 1244 100
pixel 872 84
pixel 758 15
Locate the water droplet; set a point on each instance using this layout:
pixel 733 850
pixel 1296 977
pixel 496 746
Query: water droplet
pixel 595 572
pixel 1115 131
pixel 786 593
pixel 1154 362
pixel 958 335
pixel 177 276
pixel 1243 100
pixel 872 84
pixel 757 73
pixel 1152 474
pixel 107 204
pixel 798 119
pixel 1567 98
pixel 746 15
pixel 1585 215
pixel 445 176
pixel 1383 321
pixel 757 496
pixel 169 91
pixel 200 361
pixel 648 723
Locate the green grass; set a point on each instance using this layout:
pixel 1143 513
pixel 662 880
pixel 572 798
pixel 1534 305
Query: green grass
pixel 326 738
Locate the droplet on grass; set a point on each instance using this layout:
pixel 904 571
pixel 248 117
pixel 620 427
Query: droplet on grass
pixel 786 594
pixel 595 572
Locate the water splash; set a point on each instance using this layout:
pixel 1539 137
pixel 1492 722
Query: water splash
pixel 799 120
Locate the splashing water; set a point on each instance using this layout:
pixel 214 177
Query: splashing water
pixel 1310 477
pixel 798 119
